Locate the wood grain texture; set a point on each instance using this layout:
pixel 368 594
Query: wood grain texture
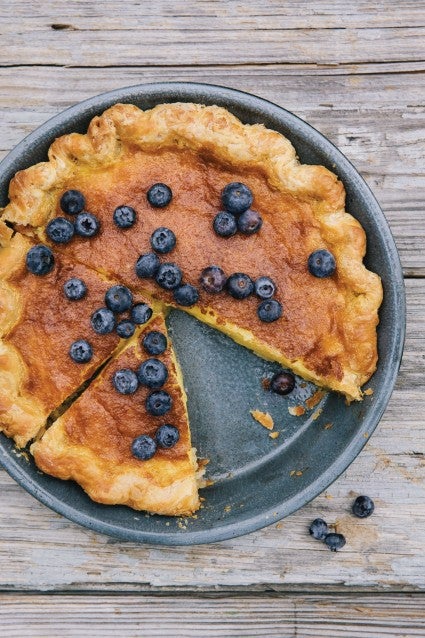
pixel 42 550
pixel 376 119
pixel 200 32
pixel 356 616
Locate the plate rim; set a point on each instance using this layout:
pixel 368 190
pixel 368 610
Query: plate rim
pixel 266 517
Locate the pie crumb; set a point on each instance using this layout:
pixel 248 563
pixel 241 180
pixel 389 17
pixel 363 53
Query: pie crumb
pixel 315 399
pixel 274 435
pixel 317 414
pixel 368 392
pixel 328 426
pixel 296 410
pixel 263 418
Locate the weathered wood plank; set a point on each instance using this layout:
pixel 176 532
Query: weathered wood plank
pixel 199 32
pixel 42 550
pixel 357 616
pixel 376 119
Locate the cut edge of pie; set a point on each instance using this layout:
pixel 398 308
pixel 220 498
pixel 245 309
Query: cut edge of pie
pixel 213 130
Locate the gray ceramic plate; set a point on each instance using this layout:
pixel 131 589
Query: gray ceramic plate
pixel 257 480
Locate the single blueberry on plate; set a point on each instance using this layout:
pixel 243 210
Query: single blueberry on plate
pixel 169 276
pixel 249 222
pixel 363 507
pixel 60 230
pixel 186 295
pixel 124 216
pixel 155 342
pixel 40 260
pixel 72 202
pixel 125 329
pixel 125 381
pixel 213 279
pixel 163 240
pixel 140 313
pixel 167 436
pixel 335 541
pixel 103 321
pixel 118 299
pixel 236 198
pixel 159 195
pixel 152 373
pixel 282 383
pixel 225 224
pixel 269 310
pixel 264 287
pixel 319 529
pixel 321 263
pixel 74 289
pixel 240 285
pixel 81 351
pixel 143 448
pixel 147 265
pixel 158 403
pixel 86 225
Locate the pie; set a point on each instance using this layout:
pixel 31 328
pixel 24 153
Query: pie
pixel 321 325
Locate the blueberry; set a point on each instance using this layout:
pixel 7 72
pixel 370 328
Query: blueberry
pixel 163 240
pixel 363 507
pixel 167 435
pixel 124 216
pixel 158 403
pixel 140 313
pixel 74 289
pixel 213 279
pixel 81 351
pixel 169 276
pixel 225 224
pixel 118 299
pixel 143 448
pixel 125 329
pixel 72 202
pixel 60 230
pixel 321 263
pixel 152 373
pixel 282 383
pixel 155 342
pixel 40 260
pixel 265 287
pixel 236 198
pixel 335 541
pixel 159 195
pixel 249 222
pixel 125 381
pixel 269 310
pixel 103 321
pixel 319 529
pixel 186 295
pixel 147 265
pixel 240 285
pixel 86 225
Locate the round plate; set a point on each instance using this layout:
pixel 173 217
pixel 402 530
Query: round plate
pixel 256 480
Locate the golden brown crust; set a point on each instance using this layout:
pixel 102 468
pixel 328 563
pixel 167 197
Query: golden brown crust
pixel 91 442
pixel 213 130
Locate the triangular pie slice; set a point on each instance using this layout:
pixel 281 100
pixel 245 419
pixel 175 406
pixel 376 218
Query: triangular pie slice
pixel 38 324
pixel 92 441
pixel 327 331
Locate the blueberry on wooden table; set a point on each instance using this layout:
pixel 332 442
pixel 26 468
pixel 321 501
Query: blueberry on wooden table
pixel 319 529
pixel 363 507
pixel 335 541
pixel 40 260
pixel 143 448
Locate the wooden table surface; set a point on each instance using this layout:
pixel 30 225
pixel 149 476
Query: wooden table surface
pixel 355 71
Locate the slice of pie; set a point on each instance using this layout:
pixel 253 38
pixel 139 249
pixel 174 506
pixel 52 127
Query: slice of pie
pixel 93 442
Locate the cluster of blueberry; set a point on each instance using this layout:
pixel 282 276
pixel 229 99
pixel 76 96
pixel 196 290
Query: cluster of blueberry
pixel 61 230
pixel 118 300
pixel 237 216
pixel 152 374
pixel 362 507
